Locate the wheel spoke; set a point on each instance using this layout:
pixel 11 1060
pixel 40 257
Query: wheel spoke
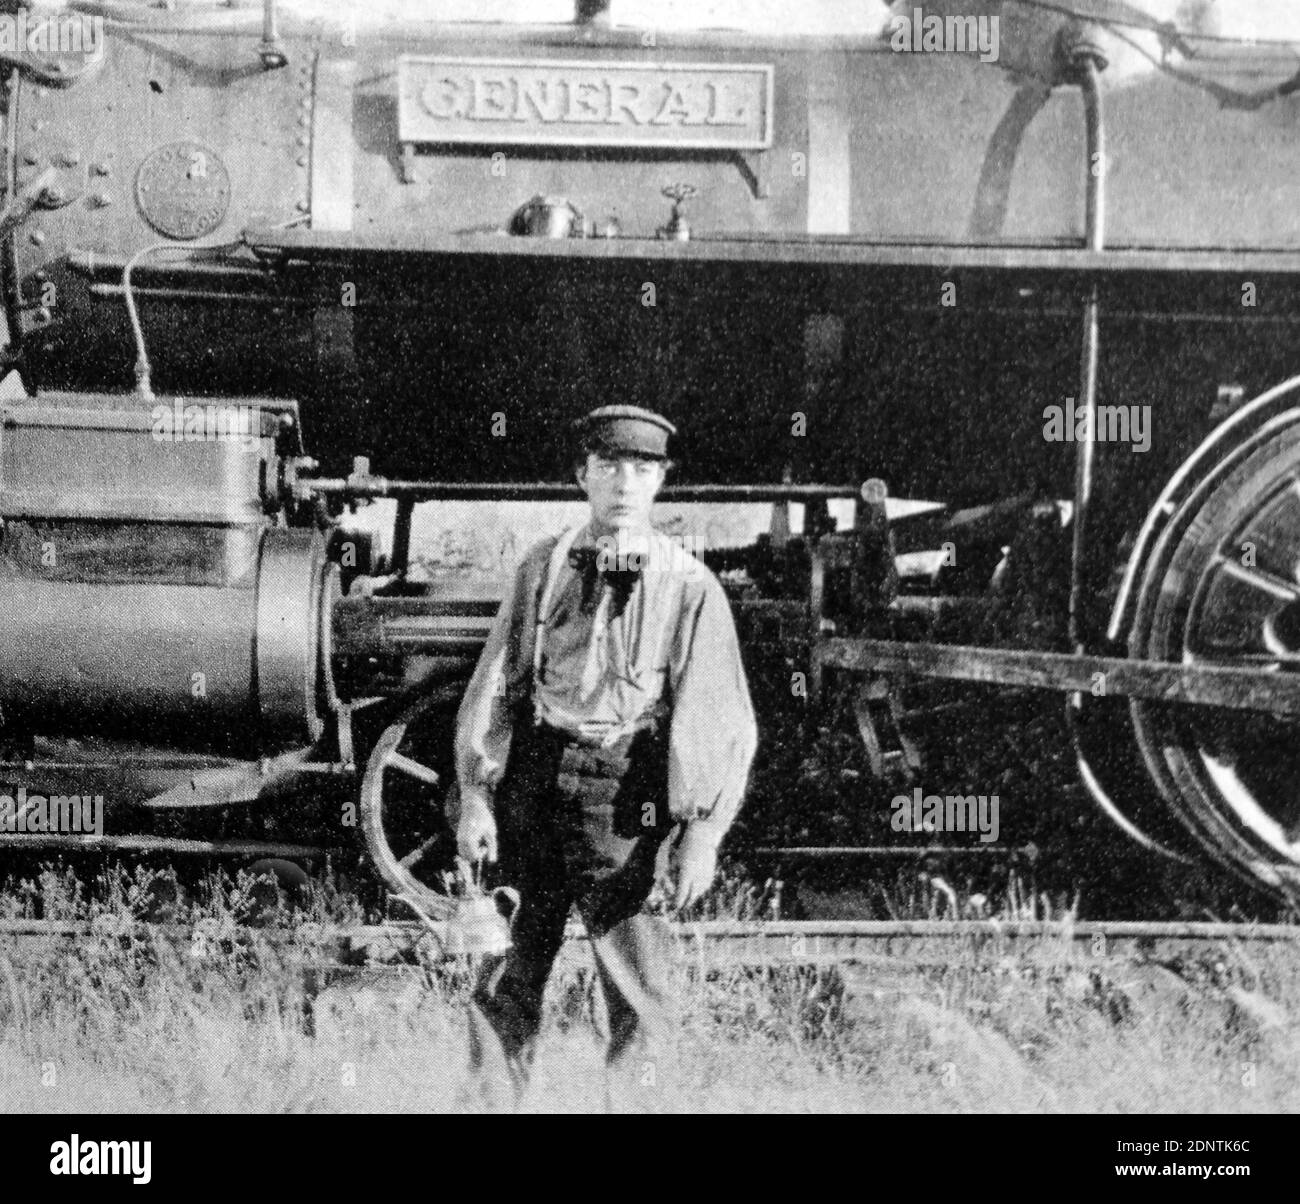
pixel 421 773
pixel 1231 658
pixel 416 855
pixel 1231 779
pixel 1261 579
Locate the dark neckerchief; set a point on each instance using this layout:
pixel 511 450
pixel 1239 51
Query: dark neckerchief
pixel 621 581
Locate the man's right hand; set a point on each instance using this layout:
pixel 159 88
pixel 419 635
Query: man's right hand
pixel 476 829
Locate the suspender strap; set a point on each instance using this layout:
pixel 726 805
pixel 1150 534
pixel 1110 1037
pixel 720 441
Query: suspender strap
pixel 559 558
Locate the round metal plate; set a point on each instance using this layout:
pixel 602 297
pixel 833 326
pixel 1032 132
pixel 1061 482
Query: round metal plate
pixel 183 190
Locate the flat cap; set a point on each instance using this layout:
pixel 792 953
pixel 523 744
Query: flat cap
pixel 626 430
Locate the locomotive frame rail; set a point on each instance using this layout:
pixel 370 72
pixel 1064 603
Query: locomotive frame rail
pixel 1198 685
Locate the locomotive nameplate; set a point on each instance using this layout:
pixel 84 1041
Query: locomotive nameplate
pixel 560 102
pixel 183 190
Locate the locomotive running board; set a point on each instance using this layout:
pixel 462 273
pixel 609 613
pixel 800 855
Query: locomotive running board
pixel 1069 266
pixel 1242 689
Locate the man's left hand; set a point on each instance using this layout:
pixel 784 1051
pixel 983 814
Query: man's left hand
pixel 695 864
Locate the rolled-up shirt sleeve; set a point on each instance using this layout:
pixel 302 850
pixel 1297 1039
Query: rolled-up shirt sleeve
pixel 713 734
pixel 485 721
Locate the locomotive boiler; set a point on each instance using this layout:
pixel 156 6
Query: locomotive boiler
pixel 923 287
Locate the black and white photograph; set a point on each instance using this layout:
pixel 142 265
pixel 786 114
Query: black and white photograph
pixel 649 557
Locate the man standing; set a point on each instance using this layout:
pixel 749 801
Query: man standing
pixel 608 731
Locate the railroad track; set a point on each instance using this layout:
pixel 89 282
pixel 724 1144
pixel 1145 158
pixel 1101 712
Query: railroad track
pixel 719 944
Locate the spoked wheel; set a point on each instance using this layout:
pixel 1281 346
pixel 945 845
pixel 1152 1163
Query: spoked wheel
pixel 1222 587
pixel 402 794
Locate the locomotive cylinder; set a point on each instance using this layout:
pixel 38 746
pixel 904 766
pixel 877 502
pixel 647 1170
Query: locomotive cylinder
pixel 235 667
pixel 152 596
pixel 99 656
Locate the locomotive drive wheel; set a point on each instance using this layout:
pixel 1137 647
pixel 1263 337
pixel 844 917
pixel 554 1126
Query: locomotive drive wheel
pixel 1222 587
pixel 402 803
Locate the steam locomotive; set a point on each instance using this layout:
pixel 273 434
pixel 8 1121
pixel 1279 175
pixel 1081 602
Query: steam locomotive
pixel 269 275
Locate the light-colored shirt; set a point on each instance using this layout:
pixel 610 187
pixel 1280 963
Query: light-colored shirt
pixel 672 652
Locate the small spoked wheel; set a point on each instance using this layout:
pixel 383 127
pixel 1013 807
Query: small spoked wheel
pixel 406 779
pixel 1223 588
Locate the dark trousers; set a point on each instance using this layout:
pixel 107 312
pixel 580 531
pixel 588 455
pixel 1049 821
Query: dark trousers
pixel 585 827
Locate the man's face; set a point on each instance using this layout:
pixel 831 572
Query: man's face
pixel 621 490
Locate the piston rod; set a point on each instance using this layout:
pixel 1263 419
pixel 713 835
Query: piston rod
pixel 544 491
pixel 370 626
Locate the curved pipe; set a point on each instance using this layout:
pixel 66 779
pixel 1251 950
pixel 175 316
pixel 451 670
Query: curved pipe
pixel 143 371
pixel 1086 62
pixel 1085 450
pixel 1095 212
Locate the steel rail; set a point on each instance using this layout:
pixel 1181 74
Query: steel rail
pixel 886 850
pixel 719 944
pixel 144 843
